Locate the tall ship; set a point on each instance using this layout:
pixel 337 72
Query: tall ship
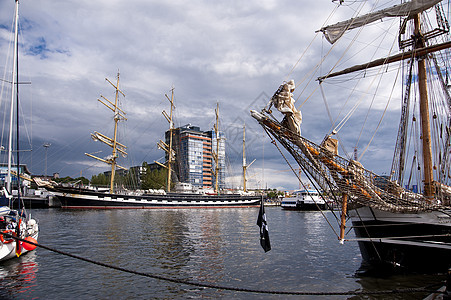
pixel 80 197
pixel 401 219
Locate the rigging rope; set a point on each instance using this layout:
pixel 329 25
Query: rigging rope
pixel 308 47
pixel 382 117
pixel 332 122
pixel 318 65
pixel 312 181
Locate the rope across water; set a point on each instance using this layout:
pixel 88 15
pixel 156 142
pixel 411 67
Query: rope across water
pixel 228 288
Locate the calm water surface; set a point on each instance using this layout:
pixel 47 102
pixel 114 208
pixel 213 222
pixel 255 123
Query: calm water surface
pixel 216 246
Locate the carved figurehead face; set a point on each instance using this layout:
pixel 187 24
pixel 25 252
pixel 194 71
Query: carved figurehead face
pixel 291 85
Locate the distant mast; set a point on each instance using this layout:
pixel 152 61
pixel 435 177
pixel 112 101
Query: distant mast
pixel 244 159
pixel 117 147
pixel 168 148
pixel 215 154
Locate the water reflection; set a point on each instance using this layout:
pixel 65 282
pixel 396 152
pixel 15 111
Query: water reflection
pixel 217 246
pixel 18 276
pixel 206 233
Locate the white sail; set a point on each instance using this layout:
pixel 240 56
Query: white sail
pixel 333 32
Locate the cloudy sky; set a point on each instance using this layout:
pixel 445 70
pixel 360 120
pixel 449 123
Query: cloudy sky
pixel 235 53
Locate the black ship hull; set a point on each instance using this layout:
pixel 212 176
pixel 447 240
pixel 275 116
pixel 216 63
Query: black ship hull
pixel 418 242
pixel 86 199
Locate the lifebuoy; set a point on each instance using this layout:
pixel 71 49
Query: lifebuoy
pixel 7 240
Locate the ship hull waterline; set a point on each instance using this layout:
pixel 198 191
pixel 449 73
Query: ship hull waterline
pixel 419 242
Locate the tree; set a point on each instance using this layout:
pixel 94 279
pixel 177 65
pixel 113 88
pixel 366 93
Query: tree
pixel 273 194
pixel 155 179
pixel 100 180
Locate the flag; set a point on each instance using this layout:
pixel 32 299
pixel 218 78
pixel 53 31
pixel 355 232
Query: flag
pixel 261 222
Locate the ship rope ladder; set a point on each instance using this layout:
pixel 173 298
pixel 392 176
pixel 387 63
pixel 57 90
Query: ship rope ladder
pixel 335 173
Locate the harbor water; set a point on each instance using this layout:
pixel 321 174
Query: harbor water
pixel 212 246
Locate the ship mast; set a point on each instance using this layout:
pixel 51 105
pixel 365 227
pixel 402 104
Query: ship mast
pixel 424 115
pixel 168 148
pixel 420 52
pixel 244 159
pixel 117 147
pixel 215 154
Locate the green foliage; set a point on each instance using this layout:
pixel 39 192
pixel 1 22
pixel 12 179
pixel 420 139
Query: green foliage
pixel 100 180
pixel 273 194
pixel 83 180
pixel 155 179
pixel 129 181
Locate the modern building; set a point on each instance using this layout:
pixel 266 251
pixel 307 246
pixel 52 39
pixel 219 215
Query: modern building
pixel 194 150
pixel 23 171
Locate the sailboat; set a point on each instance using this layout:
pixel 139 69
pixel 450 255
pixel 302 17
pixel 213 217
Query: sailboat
pixel 402 221
pixel 91 198
pixel 15 223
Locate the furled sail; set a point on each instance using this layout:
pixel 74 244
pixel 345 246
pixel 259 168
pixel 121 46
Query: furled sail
pixel 333 32
pixel 284 102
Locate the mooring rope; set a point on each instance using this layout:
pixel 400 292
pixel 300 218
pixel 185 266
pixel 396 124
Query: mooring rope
pixel 228 288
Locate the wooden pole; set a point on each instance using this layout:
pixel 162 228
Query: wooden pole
pixel 386 60
pixel 424 116
pixel 344 209
pixel 170 158
pixel 116 120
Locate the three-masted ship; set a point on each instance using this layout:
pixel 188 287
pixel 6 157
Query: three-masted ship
pixel 396 223
pixel 80 197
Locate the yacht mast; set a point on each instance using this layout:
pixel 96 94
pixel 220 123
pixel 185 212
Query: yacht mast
pixel 13 85
pixel 424 115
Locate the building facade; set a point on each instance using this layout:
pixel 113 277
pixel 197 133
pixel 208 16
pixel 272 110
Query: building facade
pixel 23 172
pixel 194 161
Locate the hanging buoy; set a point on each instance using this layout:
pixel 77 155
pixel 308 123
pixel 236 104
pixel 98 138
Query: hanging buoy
pixel 28 246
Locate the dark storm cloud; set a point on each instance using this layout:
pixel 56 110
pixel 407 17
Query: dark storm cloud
pixel 232 52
